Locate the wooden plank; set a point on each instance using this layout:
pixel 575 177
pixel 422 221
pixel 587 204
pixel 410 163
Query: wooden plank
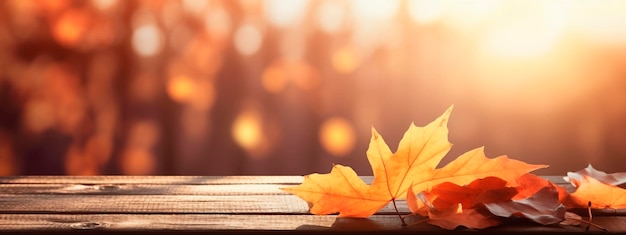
pixel 182 204
pixel 302 224
pixel 216 187
pixel 174 180
pixel 170 180
pixel 145 189
pixel 161 204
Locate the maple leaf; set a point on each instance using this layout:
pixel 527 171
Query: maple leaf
pixel 413 165
pixel 600 195
pixel 419 151
pixel 612 179
pixel 543 207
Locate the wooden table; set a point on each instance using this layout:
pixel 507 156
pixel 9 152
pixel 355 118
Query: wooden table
pixel 204 204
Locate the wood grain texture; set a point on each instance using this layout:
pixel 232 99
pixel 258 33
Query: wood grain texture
pixel 161 204
pixel 175 180
pixel 169 180
pixel 144 189
pixel 162 224
pixel 205 204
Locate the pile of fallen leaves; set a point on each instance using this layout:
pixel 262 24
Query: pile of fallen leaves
pixel 471 191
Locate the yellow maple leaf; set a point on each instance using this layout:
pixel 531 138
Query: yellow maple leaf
pixel 412 165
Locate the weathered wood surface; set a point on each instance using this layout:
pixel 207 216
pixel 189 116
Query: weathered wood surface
pixel 190 204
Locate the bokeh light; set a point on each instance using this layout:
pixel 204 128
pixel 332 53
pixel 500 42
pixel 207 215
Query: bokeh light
pixel 70 27
pixel 104 4
pixel 285 13
pixel 147 40
pixel 249 133
pixel 275 78
pixel 374 10
pixel 345 60
pixel 248 39
pixel 181 88
pixel 330 16
pixel 337 136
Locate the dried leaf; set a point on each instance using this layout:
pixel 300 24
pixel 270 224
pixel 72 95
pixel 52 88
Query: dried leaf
pixel 571 219
pixel 612 179
pixel 453 217
pixel 413 164
pixel 601 196
pixel 543 207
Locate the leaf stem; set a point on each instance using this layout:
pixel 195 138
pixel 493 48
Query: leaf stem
pixel 589 223
pixel 590 215
pixel 393 200
pixel 592 224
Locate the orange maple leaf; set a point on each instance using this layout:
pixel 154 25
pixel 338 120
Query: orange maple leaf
pixel 412 165
pixel 600 195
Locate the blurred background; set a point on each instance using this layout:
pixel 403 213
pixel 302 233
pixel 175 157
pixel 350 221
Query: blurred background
pixel 249 87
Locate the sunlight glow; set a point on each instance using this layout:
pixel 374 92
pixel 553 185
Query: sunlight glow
pixel 604 22
pixel 520 32
pixel 469 14
pixel 425 11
